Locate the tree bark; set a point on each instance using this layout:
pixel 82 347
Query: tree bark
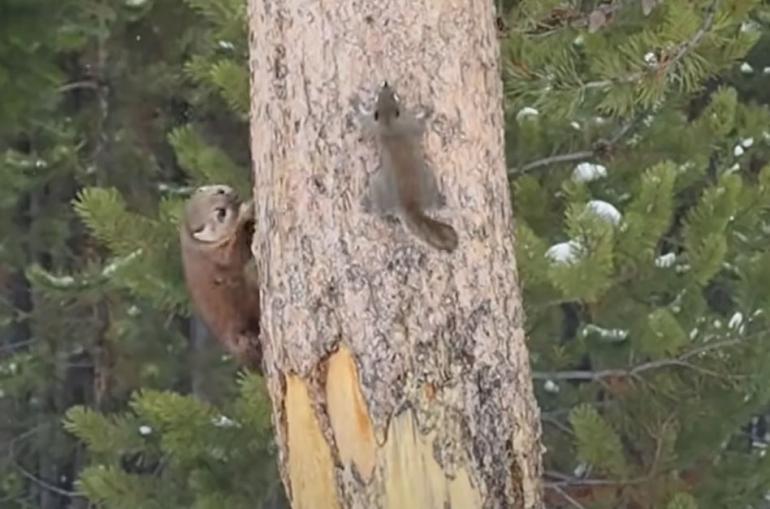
pixel 399 375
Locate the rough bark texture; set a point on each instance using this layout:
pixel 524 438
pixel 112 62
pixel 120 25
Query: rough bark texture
pixel 399 375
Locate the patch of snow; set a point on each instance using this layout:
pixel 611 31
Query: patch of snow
pixel 736 320
pixel 650 58
pixel 61 281
pixel 750 26
pixel 586 172
pixel 551 386
pixel 527 112
pixel 564 252
pixel 612 335
pixel 665 261
pixel 119 263
pixel 224 422
pixel 605 210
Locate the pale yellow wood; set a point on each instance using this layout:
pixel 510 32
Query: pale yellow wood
pixel 348 414
pixel 414 479
pixel 310 465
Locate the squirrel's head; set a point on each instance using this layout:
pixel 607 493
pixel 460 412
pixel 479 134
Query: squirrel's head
pixel 388 106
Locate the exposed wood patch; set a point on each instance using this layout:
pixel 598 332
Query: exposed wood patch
pixel 349 415
pixel 310 465
pixel 414 479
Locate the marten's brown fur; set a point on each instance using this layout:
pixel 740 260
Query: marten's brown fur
pixel 219 269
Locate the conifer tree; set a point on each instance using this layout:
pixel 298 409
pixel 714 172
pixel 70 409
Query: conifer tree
pixel 123 102
pixel 36 166
pixel 183 452
pixel 641 187
pixel 638 144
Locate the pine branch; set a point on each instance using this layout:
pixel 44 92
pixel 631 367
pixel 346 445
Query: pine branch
pixel 12 348
pixel 600 147
pixel 681 361
pixel 44 484
pixel 78 85
pixel 559 19
pixel 13 442
pixel 100 153
pixel 682 51
pixel 566 496
pixel 556 423
pixel 547 161
pixel 566 480
pixel 553 414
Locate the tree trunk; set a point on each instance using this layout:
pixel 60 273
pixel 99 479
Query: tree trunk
pixel 399 374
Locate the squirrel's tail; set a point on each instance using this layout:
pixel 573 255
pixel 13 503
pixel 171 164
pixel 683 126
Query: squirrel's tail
pixel 439 235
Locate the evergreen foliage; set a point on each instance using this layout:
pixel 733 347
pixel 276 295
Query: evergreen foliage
pixel 194 456
pixel 175 451
pixel 638 146
pixel 640 177
pixel 120 110
pixel 32 33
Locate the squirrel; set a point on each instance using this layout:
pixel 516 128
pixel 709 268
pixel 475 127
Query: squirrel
pixel 404 185
pixel 220 274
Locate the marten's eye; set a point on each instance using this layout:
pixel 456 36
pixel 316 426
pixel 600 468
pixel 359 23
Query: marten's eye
pixel 376 115
pixel 397 112
pixel 221 214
